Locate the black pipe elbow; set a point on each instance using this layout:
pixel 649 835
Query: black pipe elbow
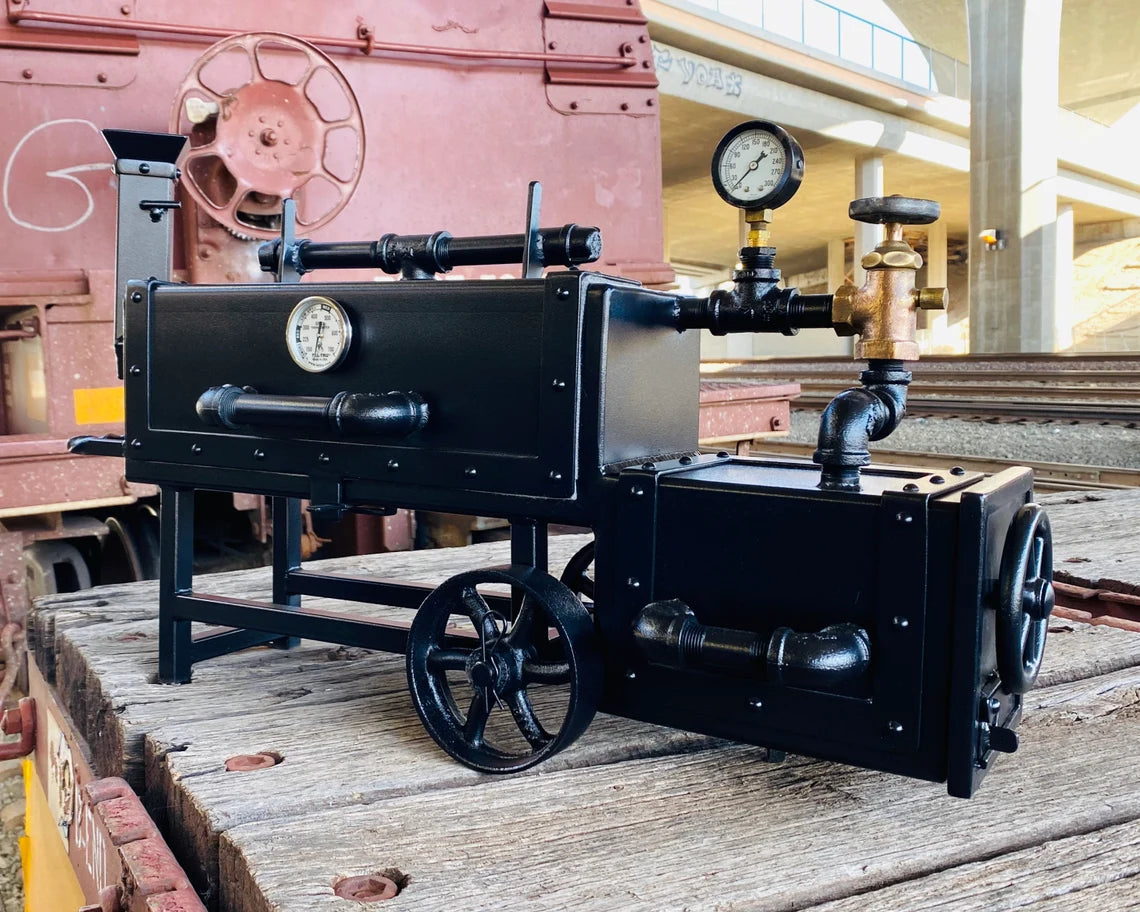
pixel 836 660
pixel 856 417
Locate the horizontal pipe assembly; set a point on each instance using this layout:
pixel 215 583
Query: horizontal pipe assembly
pixel 393 414
pixel 835 660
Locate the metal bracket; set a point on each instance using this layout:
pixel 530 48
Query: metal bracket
pixel 532 245
pixel 286 263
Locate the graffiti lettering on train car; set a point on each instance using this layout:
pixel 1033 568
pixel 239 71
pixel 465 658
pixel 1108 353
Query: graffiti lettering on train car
pixel 730 82
pixel 24 153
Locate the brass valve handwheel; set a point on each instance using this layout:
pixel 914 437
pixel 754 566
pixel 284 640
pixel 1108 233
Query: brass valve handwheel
pixel 267 138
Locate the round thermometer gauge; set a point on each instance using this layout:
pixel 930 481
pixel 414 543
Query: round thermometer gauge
pixel 318 334
pixel 757 166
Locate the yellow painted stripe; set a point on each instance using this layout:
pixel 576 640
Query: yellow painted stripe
pixel 99 405
pixel 50 884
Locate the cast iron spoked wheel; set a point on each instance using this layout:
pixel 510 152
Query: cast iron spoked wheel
pixel 578 575
pixel 485 704
pixel 1025 599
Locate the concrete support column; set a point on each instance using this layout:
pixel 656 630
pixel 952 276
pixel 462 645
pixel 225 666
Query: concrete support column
pixel 932 323
pixel 1014 48
pixel 836 263
pixel 868 182
pixel 1063 322
pixel 936 254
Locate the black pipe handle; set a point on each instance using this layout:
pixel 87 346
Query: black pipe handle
pixel 570 245
pixel 392 414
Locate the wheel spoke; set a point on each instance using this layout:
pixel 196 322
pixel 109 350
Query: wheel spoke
pixel 477 714
pixel 448 659
pixel 527 721
pixel 546 672
pixel 1038 556
pixel 481 615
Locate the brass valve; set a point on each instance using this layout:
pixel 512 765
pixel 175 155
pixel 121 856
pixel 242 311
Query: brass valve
pixel 758 221
pixel 884 311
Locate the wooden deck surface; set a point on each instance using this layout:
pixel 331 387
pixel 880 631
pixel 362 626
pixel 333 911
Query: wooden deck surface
pixel 631 817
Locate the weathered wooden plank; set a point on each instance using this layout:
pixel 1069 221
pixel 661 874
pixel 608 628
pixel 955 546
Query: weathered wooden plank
pixel 1092 872
pixel 703 831
pixel 105 670
pixel 338 755
pixel 1094 538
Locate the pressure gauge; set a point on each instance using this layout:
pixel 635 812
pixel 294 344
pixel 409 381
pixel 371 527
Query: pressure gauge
pixel 757 166
pixel 318 334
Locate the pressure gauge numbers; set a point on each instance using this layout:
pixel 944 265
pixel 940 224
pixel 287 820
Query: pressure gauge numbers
pixel 757 166
pixel 318 334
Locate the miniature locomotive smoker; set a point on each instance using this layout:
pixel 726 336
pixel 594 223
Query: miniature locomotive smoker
pixel 886 617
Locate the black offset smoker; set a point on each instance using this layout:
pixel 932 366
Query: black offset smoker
pixel 886 617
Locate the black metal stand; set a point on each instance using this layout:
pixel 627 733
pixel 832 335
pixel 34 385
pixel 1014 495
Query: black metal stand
pixel 283 622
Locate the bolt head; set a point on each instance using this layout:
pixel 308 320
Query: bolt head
pixel 12 723
pixel 196 448
pixel 134 370
pixel 27 74
pixel 144 168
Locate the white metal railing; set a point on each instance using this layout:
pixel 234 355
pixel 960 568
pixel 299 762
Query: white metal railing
pixel 826 28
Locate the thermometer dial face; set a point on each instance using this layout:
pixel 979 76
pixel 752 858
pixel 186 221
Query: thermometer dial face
pixel 318 334
pixel 757 166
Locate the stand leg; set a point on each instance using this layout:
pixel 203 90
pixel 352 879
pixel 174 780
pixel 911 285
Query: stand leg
pixel 286 556
pixel 176 576
pixel 528 549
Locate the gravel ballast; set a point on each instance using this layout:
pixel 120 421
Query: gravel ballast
pixel 1081 444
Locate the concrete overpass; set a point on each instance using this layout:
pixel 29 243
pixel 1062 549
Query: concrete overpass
pixel 900 138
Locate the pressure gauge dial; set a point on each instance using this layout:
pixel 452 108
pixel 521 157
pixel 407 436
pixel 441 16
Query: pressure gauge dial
pixel 318 334
pixel 757 166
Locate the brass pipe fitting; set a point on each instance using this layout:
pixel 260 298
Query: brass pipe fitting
pixel 884 311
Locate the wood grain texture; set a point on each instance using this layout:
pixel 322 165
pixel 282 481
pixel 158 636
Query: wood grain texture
pixel 1095 540
pixel 342 754
pixel 106 656
pixel 712 830
pixel 631 817
pixel 1092 872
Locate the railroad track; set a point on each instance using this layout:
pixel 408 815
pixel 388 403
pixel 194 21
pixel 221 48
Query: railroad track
pixel 1096 389
pixel 1049 476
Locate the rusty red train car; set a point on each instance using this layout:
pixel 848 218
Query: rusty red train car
pixel 375 117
